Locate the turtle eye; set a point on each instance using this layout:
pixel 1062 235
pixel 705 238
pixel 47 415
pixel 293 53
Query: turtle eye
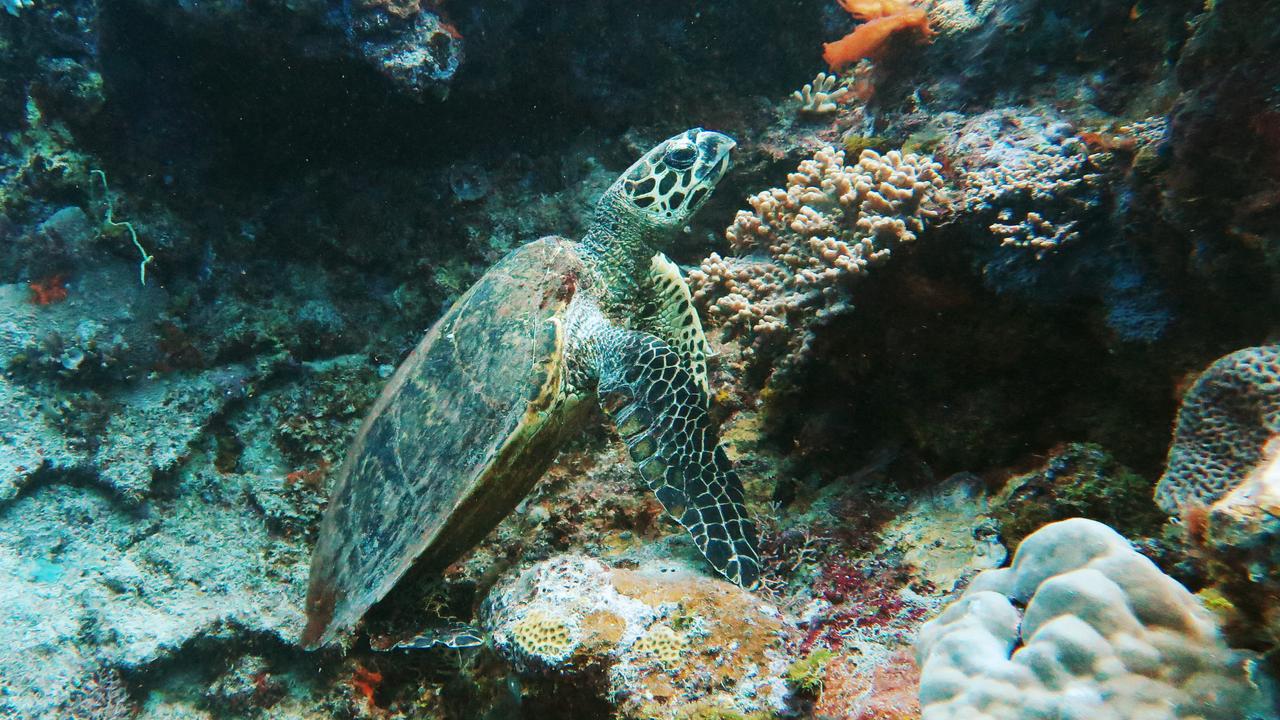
pixel 680 156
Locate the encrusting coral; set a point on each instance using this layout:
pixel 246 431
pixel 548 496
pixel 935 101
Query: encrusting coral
pixel 669 640
pixel 1104 634
pixel 798 248
pixel 1227 418
pixel 1222 480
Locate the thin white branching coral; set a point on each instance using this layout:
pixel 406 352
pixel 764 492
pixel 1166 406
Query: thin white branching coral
pixel 799 249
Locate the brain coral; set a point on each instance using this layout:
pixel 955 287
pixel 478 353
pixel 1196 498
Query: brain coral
pixel 1226 419
pixel 1103 635
pixel 670 640
pixel 799 248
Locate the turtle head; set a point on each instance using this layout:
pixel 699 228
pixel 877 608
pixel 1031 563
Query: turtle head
pixel 674 179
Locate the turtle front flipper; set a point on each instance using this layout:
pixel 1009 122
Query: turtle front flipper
pixel 676 321
pixel 661 414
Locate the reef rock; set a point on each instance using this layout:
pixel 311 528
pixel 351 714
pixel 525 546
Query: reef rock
pixel 948 535
pixel 669 641
pixel 414 48
pixel 1243 538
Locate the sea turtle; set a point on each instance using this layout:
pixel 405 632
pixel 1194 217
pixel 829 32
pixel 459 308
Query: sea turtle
pixel 474 416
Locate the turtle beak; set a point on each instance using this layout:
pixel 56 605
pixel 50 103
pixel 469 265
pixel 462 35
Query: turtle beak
pixel 714 149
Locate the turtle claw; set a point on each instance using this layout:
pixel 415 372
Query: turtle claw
pixel 453 635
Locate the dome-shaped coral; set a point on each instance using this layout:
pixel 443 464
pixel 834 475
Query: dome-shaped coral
pixel 1104 635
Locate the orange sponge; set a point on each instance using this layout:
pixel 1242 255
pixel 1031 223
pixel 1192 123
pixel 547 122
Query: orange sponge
pixel 868 40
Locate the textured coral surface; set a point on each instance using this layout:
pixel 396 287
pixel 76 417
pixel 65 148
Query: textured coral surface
pixel 799 248
pixel 1227 418
pixel 665 639
pixel 1079 621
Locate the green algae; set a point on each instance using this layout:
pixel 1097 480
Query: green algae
pixel 1081 480
pixel 805 675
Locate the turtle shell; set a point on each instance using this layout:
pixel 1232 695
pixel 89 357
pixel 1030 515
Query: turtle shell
pixel 468 423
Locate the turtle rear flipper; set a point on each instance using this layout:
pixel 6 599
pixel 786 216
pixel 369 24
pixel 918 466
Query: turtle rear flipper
pixel 452 634
pixel 660 412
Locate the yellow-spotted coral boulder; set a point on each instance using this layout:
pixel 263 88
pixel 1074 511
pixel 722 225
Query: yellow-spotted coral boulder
pixel 1080 626
pixel 671 642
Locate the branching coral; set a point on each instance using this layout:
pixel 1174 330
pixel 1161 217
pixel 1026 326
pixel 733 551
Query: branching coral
pixel 1104 634
pixel 820 96
pixel 885 18
pixel 1028 173
pixel 1041 189
pixel 799 248
pixel 1227 418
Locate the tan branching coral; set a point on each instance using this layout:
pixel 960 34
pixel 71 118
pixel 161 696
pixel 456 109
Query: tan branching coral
pixel 1034 232
pixel 820 96
pixel 798 249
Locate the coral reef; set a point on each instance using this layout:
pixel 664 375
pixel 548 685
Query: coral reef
pixel 1228 416
pixel 1102 630
pixel 100 696
pixel 949 534
pixel 315 183
pixel 799 249
pixel 411 45
pixel 1039 186
pixel 667 640
pixel 1027 171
